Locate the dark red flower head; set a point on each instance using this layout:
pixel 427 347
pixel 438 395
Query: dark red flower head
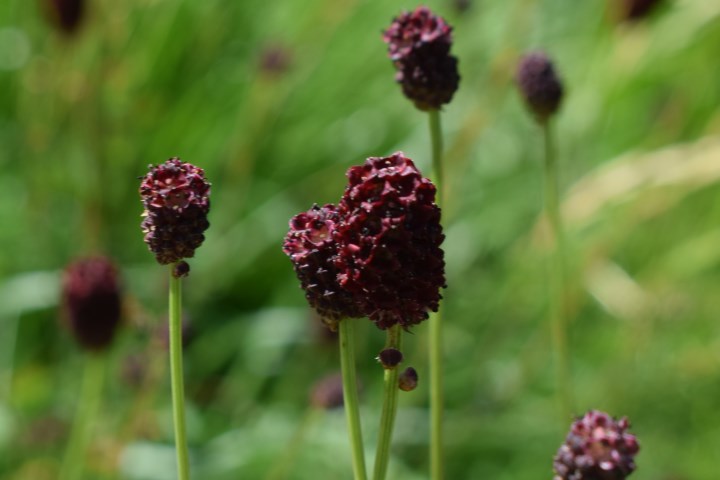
pixel 539 85
pixel 67 15
pixel 311 248
pixel 176 200
pixel 419 46
pixel 597 448
pixel 635 10
pixel 91 301
pixel 388 242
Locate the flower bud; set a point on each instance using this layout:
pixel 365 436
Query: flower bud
pixel 539 85
pixel 91 301
pixel 390 358
pixel 408 380
pixel 176 200
pixel 597 448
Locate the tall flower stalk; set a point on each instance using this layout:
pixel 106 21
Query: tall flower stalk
pixel 542 91
pixel 175 195
pixel 376 254
pixel 419 46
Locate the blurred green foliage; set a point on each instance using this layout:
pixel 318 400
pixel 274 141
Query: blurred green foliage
pixel 82 116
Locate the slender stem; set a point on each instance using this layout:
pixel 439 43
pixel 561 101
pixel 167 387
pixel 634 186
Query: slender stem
pixel 558 280
pixel 389 409
pixel 85 413
pixel 435 327
pixel 350 397
pixel 176 376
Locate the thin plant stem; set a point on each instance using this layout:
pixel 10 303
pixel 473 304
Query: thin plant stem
pixel 389 409
pixel 176 376
pixel 435 327
pixel 558 276
pixel 85 413
pixel 350 397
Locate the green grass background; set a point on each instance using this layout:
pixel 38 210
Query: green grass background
pixel 639 137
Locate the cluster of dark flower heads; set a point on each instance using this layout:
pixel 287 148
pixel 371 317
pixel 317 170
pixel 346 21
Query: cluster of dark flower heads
pixel 91 301
pixel 419 46
pixel 597 448
pixel 175 195
pixel 377 253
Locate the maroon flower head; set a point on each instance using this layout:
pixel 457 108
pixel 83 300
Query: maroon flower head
pixel 67 15
pixel 634 10
pixel 597 448
pixel 539 85
pixel 327 393
pixel 419 46
pixel 311 248
pixel 389 253
pixel 91 301
pixel 176 200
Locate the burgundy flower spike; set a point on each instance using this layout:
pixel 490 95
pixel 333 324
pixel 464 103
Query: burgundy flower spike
pixel 597 448
pixel 539 85
pixel 176 200
pixel 389 253
pixel 91 301
pixel 419 46
pixel 311 248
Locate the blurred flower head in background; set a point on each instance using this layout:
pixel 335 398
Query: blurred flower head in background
pixel 597 448
pixel 92 301
pixel 66 15
pixel 539 85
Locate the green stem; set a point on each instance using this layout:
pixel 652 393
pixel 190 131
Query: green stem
pixel 435 347
pixel 176 376
pixel 389 409
pixel 85 413
pixel 350 397
pixel 558 281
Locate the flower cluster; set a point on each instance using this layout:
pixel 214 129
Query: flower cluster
pixel 377 253
pixel 419 46
pixel 539 85
pixel 597 448
pixel 92 301
pixel 176 200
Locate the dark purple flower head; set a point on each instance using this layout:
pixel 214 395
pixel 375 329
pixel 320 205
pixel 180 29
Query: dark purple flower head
pixel 176 200
pixel 390 357
pixel 311 248
pixel 539 85
pixel 597 448
pixel 91 301
pixel 419 46
pixel 388 242
pixel 67 15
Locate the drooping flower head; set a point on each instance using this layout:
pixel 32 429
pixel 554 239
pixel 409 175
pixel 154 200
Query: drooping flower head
pixel 539 85
pixel 175 195
pixel 597 448
pixel 91 301
pixel 311 248
pixel 419 46
pixel 388 241
pixel 67 15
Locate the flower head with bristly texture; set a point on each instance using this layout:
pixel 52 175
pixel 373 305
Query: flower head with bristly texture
pixel 419 46
pixel 175 195
pixel 311 248
pixel 598 447
pixel 91 301
pixel 388 242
